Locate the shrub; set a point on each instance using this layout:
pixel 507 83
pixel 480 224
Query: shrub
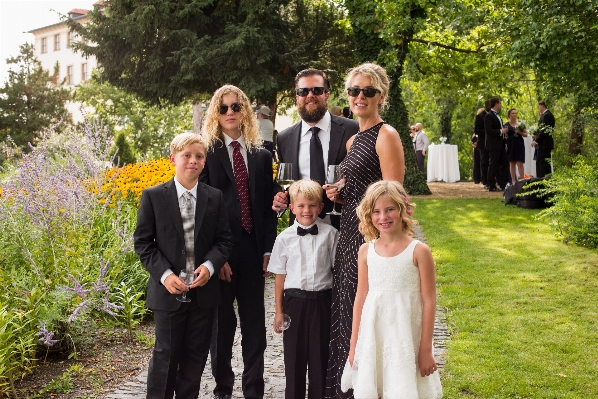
pixel 574 192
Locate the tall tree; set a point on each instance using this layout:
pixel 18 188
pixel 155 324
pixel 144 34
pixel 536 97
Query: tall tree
pixel 382 32
pixel 31 100
pixel 559 40
pixel 176 49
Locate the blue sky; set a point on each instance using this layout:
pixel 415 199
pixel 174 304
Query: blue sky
pixel 18 16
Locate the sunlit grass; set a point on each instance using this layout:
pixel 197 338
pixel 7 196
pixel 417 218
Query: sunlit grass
pixel 521 305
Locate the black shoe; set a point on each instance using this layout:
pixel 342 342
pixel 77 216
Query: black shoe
pixel 493 189
pixel 487 187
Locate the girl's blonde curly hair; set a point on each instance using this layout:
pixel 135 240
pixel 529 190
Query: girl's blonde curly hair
pixel 211 129
pixel 393 190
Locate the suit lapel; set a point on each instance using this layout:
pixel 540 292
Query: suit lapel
pixel 337 131
pixel 200 207
pixel 222 153
pixel 172 202
pixel 251 171
pixel 293 151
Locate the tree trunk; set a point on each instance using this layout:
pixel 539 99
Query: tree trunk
pixel 369 47
pixel 576 137
pixel 197 117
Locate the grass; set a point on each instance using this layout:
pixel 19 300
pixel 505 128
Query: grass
pixel 521 305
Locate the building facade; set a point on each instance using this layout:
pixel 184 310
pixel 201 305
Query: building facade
pixel 53 45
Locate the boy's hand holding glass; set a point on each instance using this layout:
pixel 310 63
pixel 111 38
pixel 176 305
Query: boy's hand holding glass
pixel 187 279
pixel 282 322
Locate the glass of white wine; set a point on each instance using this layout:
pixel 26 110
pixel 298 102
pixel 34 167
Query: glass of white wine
pixel 284 177
pixel 333 178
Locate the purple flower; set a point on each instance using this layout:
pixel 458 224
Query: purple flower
pixel 99 285
pixel 82 305
pixel 78 289
pixel 46 336
pixel 108 306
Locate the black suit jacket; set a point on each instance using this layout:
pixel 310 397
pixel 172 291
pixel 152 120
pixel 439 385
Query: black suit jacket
pixel 287 142
pixel 218 173
pixel 494 139
pixel 544 136
pixel 160 242
pixel 479 129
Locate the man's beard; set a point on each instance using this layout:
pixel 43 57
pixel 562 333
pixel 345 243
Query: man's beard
pixel 312 116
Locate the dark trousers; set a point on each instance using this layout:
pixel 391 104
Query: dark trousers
pixel 498 168
pixel 306 343
pixel 542 164
pixel 419 157
pixel 247 288
pixel 477 169
pixel 484 162
pixel 180 352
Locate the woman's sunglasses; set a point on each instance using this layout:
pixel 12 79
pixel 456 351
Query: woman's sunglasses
pixel 236 107
pixel 368 91
pixel 304 91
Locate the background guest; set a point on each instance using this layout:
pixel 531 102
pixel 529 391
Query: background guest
pixel 544 141
pixel 421 146
pixel 515 145
pixel 266 128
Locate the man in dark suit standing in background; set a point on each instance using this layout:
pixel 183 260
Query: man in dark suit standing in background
pixel 544 142
pixel 311 152
pixel 480 146
pixel 495 145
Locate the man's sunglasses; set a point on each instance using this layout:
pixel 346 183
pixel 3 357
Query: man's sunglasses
pixel 368 91
pixel 236 107
pixel 304 91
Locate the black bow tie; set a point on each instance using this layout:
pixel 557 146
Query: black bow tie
pixel 313 230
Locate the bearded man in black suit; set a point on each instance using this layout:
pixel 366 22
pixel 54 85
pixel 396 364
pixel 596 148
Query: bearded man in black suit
pixel 295 144
pixel 544 142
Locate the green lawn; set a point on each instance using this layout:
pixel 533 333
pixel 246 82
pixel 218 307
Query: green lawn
pixel 521 305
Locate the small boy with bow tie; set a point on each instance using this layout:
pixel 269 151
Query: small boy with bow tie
pixel 302 260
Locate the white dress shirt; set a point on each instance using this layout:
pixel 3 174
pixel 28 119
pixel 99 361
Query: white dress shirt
pixel 306 260
pixel 230 149
pixel 324 134
pixel 180 190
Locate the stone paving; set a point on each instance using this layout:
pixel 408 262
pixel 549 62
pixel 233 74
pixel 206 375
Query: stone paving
pixel 273 358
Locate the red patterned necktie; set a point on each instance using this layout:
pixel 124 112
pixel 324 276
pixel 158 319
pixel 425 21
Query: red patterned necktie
pixel 242 181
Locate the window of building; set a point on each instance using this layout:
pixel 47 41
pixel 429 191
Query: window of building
pixel 69 75
pixel 56 42
pixel 44 45
pixel 70 38
pixel 84 72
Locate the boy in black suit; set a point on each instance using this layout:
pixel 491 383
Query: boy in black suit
pixel 182 225
pixel 238 166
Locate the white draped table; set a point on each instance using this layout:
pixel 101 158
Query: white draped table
pixel 443 163
pixel 529 167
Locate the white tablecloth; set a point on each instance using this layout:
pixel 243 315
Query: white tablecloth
pixel 529 167
pixel 443 163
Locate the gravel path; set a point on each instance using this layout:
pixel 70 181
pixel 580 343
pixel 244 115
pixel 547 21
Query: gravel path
pixel 274 362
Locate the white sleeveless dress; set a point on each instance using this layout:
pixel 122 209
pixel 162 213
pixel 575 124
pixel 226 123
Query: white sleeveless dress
pixel 390 332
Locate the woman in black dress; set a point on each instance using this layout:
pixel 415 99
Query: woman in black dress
pixel 375 153
pixel 515 145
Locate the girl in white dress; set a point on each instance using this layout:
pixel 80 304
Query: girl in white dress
pixel 390 356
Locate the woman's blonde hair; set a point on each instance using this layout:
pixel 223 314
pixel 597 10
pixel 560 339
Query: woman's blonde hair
pixel 211 129
pixel 379 79
pixel 393 190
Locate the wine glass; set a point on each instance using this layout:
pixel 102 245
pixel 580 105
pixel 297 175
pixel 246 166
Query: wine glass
pixel 284 177
pixel 333 178
pixel 286 322
pixel 188 279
